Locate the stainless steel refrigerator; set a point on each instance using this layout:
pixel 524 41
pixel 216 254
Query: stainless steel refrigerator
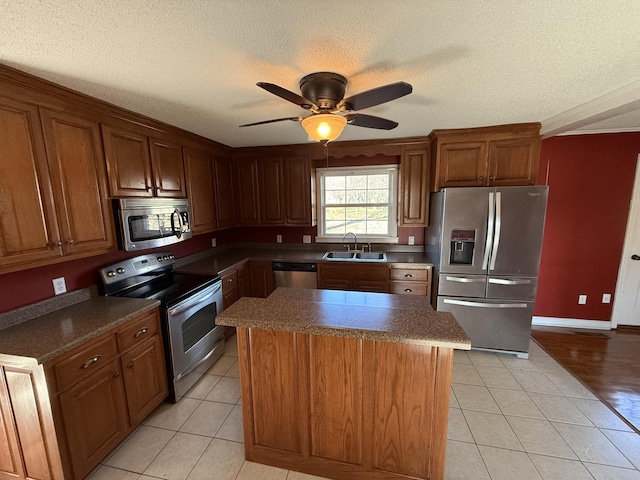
pixel 485 244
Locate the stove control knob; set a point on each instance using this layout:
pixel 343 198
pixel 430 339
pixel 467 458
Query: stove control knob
pixel 111 273
pixel 159 259
pixel 172 256
pixel 166 257
pixel 119 270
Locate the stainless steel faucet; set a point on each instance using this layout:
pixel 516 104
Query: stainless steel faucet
pixel 355 241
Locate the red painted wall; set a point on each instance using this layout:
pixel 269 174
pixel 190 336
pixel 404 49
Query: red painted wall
pixel 590 187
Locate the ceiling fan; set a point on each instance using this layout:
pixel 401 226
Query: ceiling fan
pixel 323 95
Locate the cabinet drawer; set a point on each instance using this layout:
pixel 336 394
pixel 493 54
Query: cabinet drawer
pixel 409 274
pixel 83 363
pixel 408 288
pixel 230 280
pixel 138 331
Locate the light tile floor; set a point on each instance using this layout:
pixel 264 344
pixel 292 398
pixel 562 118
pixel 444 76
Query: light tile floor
pixel 509 419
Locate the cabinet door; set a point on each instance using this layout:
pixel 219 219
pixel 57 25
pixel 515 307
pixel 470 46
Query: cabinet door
pixel 200 186
pixel 168 169
pixel 28 224
pixel 77 165
pixel 128 163
pixel 261 278
pixel 297 189
pixel 28 444
pixel 462 164
pixel 244 281
pixel 224 191
pixel 514 162
pixel 145 378
pixel 94 413
pixel 246 191
pixel 413 191
pixel 271 188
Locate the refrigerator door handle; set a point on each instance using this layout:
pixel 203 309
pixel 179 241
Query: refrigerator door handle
pixel 467 303
pixel 488 240
pixel 496 236
pixel 465 280
pixel 504 281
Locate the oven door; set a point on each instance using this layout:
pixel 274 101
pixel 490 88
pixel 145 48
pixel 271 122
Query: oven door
pixel 195 341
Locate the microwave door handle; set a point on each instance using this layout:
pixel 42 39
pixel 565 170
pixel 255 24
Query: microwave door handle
pixel 173 225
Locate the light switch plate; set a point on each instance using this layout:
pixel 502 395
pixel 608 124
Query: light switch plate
pixel 306 239
pixel 279 238
pixel 213 242
pixel 606 298
pixel 582 299
pixel 412 240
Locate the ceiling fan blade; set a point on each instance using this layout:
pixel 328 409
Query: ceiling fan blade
pixel 369 121
pixel 287 95
pixel 376 96
pixel 293 119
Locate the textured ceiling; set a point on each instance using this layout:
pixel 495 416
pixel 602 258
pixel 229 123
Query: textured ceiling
pixel 194 64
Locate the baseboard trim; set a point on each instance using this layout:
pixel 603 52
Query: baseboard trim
pixel 572 323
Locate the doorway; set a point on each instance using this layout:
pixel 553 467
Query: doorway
pixel 626 305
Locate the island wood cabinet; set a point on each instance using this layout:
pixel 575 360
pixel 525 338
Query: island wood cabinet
pixel 53 181
pixel 344 408
pixel 274 191
pixel 410 279
pixel 486 156
pixel 351 276
pixel 413 190
pixel 140 165
pixel 102 390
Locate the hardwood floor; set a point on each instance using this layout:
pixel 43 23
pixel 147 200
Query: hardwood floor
pixel 606 361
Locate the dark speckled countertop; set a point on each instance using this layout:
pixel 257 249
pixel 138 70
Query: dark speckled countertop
pixel 217 263
pixel 371 316
pixel 47 336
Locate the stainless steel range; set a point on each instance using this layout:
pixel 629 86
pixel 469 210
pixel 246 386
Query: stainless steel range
pixel 189 306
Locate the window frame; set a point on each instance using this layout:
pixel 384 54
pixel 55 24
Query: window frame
pixel 322 173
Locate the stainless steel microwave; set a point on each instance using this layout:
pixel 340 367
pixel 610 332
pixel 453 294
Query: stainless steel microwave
pixel 151 222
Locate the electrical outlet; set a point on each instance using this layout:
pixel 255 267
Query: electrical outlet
pixel 306 239
pixel 412 240
pixel 582 299
pixel 606 298
pixel 213 242
pixel 279 238
pixel 59 286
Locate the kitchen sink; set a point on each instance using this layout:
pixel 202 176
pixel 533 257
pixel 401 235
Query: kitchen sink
pixel 338 256
pixel 356 257
pixel 371 256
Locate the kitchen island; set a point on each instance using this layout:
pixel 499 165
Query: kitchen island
pixel 345 385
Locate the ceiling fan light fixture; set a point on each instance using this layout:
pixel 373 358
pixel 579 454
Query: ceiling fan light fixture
pixel 324 127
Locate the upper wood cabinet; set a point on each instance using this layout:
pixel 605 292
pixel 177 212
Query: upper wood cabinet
pixel 487 156
pixel 413 191
pixel 245 171
pixel 54 199
pixel 223 177
pixel 143 166
pixel 274 191
pixel 201 190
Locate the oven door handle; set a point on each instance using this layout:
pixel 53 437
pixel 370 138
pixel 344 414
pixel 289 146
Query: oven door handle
pixel 187 304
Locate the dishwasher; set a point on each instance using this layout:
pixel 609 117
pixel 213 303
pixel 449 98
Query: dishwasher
pixel 293 274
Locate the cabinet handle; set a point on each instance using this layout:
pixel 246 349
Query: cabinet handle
pixel 148 189
pixel 69 242
pixel 115 374
pixel 481 178
pixel 130 365
pixel 142 331
pixel 91 361
pixel 58 243
pixel 408 290
pixel 230 280
pixel 408 275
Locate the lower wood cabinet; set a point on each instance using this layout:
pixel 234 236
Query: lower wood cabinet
pixel 344 408
pixel 102 390
pixel 351 276
pixel 261 278
pixel 410 279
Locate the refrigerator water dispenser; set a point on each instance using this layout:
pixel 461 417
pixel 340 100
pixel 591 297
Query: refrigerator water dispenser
pixel 462 245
